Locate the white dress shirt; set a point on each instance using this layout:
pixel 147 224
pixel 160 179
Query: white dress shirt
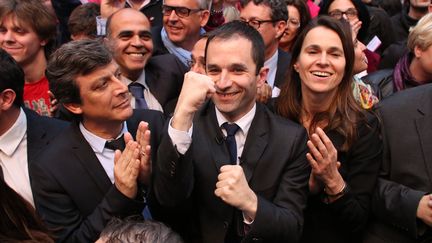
pixel 271 63
pixel 152 102
pixel 104 155
pixel 13 158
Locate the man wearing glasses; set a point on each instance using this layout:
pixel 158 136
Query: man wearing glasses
pixel 182 26
pixel 269 17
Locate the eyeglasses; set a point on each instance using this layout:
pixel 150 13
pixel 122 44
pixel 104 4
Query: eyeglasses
pixel 182 12
pixel 256 23
pixel 293 22
pixel 337 14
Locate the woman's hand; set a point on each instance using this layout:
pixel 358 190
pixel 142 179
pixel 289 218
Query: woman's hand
pixel 323 160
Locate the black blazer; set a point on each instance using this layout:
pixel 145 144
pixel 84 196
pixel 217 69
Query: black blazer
pixel 345 220
pixel 164 77
pixel 72 192
pixel 275 166
pixel 406 171
pixel 41 130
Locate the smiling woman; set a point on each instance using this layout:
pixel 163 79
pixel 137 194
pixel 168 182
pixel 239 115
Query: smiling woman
pixel 344 144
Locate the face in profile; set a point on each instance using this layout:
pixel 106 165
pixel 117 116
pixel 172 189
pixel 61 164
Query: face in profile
pixel 131 42
pixel 321 62
pixel 293 24
pixel 197 57
pixel 234 72
pixel 20 40
pixel 360 59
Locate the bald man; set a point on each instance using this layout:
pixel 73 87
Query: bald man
pixel 158 78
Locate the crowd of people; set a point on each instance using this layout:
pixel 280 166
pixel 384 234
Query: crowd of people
pixel 216 121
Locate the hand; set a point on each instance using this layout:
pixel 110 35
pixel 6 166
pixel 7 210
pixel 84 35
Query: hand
pixel 424 210
pixel 264 93
pixel 355 27
pixel 54 103
pixel 196 89
pixel 143 139
pixel 109 7
pixel 126 167
pixel 233 189
pixel 323 160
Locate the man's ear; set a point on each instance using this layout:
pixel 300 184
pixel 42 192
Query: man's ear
pixel 7 98
pixel 262 76
pixel 418 51
pixel 74 108
pixel 205 15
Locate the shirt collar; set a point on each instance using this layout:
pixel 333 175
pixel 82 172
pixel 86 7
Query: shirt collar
pixel 244 123
pixel 10 140
pixel 145 2
pixel 97 143
pixel 141 80
pixel 272 61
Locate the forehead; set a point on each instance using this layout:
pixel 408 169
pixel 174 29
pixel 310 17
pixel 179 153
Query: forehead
pixel 341 5
pixel 226 52
pixel 199 47
pixel 251 10
pixel 315 38
pixel 129 19
pixel 193 4
pixel 12 20
pixel 293 11
pixel 84 82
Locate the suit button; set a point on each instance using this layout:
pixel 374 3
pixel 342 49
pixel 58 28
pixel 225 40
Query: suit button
pixel 225 225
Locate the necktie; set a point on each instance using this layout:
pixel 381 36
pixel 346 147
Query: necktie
pixel 137 91
pixel 118 143
pixel 231 130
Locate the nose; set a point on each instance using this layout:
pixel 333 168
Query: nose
pixel 8 36
pixel 119 87
pixel 136 41
pixel 362 46
pixel 224 81
pixel 344 16
pixel 323 59
pixel 173 16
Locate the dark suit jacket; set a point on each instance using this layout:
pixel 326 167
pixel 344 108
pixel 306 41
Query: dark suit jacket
pixel 284 59
pixel 345 220
pixel 41 131
pixel 72 192
pixel 158 46
pixel 407 167
pixel 275 167
pixel 164 76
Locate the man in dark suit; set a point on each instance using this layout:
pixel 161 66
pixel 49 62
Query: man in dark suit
pixel 269 18
pixel 250 183
pixel 402 204
pixel 158 80
pixel 23 133
pixel 83 179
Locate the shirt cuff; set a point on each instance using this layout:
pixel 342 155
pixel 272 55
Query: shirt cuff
pixel 180 139
pixel 247 220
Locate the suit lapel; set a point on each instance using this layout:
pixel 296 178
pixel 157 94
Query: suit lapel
pixel 36 136
pixel 424 130
pixel 87 158
pixel 151 80
pixel 256 142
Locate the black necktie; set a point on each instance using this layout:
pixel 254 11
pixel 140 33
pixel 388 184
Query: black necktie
pixel 231 130
pixel 137 91
pixel 118 143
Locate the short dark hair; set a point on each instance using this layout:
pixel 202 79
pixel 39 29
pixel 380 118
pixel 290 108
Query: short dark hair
pixel 236 29
pixel 35 14
pixel 278 8
pixel 83 20
pixel 71 60
pixel 11 77
pixel 133 230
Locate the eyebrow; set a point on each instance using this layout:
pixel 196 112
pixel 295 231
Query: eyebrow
pixel 332 48
pixel 130 33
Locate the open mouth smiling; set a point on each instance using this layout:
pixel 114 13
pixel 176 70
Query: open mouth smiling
pixel 321 74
